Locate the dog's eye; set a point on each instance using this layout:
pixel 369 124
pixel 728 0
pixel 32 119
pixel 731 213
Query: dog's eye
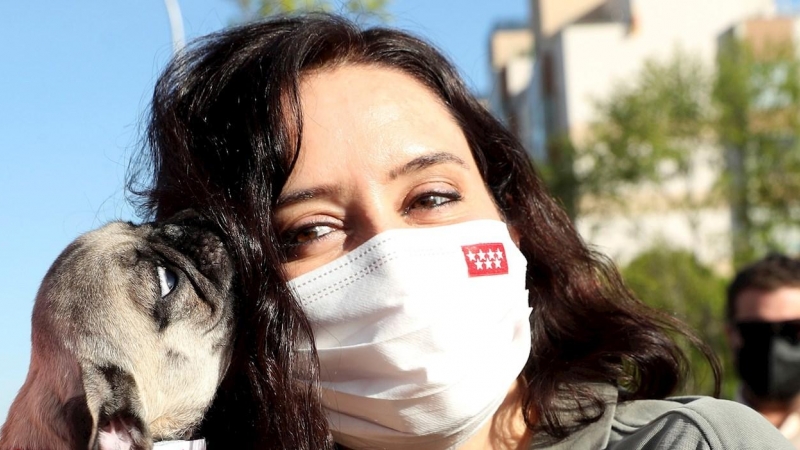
pixel 166 280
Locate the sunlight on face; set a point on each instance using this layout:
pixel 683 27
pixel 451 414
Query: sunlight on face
pixel 379 151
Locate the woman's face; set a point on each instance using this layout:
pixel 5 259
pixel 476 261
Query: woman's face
pixel 378 151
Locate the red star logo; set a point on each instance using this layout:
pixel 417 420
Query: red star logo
pixel 485 259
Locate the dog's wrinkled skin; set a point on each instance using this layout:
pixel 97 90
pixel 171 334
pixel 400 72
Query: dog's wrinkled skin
pixel 115 364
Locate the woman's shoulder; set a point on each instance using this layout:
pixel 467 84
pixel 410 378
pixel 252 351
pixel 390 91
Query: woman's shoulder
pixel 691 422
pixel 674 423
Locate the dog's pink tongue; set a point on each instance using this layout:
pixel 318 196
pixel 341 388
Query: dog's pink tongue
pixel 115 436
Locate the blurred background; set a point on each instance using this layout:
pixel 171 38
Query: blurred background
pixel 668 130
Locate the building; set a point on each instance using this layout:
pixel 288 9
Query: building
pixel 511 53
pixel 583 49
pixel 766 171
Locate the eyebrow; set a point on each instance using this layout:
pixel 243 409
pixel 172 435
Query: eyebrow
pixel 425 161
pixel 306 194
pixel 416 164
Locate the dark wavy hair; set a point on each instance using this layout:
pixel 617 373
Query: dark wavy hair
pixel 772 272
pixel 223 132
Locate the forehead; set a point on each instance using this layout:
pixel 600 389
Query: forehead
pixel 371 98
pixel 772 306
pixel 360 84
pixel 366 115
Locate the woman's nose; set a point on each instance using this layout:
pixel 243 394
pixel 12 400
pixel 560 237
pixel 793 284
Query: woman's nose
pixel 374 218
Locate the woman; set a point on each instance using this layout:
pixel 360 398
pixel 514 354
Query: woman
pixel 359 185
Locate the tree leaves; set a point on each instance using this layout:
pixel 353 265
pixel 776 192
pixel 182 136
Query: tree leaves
pixel 648 130
pixel 357 9
pixel 757 98
pixel 674 281
pixel 742 116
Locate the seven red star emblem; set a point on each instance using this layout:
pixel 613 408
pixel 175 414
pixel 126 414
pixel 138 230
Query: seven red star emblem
pixel 485 259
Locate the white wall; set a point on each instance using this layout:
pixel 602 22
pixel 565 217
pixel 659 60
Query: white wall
pixel 650 215
pixel 598 56
pixel 622 238
pixel 590 59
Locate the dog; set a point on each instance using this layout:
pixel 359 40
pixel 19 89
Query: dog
pixel 132 332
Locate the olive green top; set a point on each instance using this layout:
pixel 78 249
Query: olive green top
pixel 682 423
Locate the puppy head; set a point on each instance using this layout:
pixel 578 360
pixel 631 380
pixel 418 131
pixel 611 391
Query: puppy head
pixel 145 315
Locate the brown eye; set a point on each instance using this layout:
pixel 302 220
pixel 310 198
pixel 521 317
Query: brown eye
pixel 310 234
pixel 431 200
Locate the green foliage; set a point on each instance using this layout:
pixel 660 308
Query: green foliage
pixel 747 111
pixel 648 130
pixel 676 283
pixel 757 99
pixel 560 176
pixel 359 9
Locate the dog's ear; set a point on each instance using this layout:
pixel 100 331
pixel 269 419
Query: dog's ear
pixel 189 218
pixel 200 240
pixel 114 405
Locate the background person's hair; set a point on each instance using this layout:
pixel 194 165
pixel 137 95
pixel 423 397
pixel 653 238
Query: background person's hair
pixel 772 272
pixel 224 131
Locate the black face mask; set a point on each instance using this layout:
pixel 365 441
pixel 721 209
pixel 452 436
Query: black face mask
pixel 769 360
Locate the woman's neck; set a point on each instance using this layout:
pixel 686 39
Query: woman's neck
pixel 507 429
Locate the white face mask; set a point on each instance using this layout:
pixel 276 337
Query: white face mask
pixel 420 334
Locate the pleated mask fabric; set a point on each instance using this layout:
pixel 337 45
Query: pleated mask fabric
pixel 420 334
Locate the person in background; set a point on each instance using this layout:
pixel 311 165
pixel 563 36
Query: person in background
pixel 763 312
pixel 406 281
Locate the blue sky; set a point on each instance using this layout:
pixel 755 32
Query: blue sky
pixel 75 78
